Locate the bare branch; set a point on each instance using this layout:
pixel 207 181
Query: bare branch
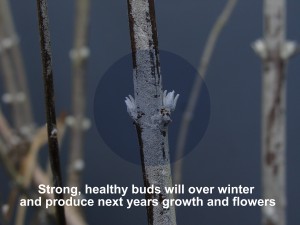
pixel 150 114
pixel 71 214
pixel 29 162
pixel 14 55
pixel 79 55
pixel 196 89
pixel 277 53
pixel 38 178
pixel 50 104
pixel 12 96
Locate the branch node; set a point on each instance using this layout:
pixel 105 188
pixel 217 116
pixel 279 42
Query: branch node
pixel 169 101
pixel 270 212
pixel 85 124
pixel 131 107
pixel 78 165
pixel 80 53
pixel 5 209
pixel 260 48
pixel 10 98
pixel 8 43
pixel 168 105
pixel 27 130
pixel 53 133
pixel 288 49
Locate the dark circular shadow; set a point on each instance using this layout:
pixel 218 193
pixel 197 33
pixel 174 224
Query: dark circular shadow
pixel 116 127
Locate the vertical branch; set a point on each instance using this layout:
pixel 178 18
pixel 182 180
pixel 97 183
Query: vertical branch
pixel 18 70
pixel 79 123
pixel 12 96
pixel 151 108
pixel 196 89
pixel 274 51
pixel 50 104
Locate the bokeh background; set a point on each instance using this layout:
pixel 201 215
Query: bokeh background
pixel 229 152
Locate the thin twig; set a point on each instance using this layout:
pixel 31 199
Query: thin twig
pixel 39 177
pixel 19 70
pixel 50 104
pixel 196 89
pixel 12 96
pixel 30 161
pixel 78 55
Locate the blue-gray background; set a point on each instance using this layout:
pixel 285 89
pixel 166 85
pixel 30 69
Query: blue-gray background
pixel 229 153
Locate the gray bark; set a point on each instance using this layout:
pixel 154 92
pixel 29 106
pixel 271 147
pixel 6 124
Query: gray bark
pixel 151 108
pixel 274 51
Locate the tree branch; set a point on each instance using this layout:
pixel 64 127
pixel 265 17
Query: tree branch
pixel 18 65
pixel 78 122
pixel 12 96
pixel 14 68
pixel 196 89
pixel 50 104
pixel 151 108
pixel 39 177
pixel 275 52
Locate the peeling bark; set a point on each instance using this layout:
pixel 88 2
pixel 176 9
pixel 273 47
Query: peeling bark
pixel 151 108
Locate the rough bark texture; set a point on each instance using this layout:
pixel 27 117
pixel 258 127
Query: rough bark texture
pixel 50 104
pixel 274 113
pixel 150 114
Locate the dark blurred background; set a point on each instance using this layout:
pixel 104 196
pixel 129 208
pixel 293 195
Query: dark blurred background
pixel 229 152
